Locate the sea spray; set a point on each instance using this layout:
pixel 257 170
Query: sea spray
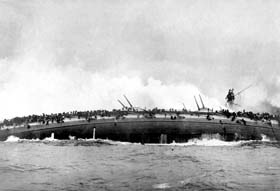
pixel 161 186
pixel 12 138
pixel 205 140
pixel 266 138
pixel 50 138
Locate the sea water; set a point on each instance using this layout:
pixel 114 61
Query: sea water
pixel 207 164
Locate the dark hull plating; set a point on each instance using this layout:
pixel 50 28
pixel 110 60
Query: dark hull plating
pixel 147 130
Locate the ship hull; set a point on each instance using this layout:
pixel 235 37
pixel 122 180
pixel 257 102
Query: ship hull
pixel 147 130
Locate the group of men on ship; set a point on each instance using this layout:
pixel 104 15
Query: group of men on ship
pixel 92 115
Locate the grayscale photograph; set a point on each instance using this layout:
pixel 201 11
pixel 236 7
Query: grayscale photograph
pixel 121 95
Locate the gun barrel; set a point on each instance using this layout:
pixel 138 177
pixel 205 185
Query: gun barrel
pixel 122 104
pixel 203 106
pixel 196 103
pixel 128 101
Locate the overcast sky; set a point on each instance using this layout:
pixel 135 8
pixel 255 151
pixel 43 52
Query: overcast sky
pixel 77 55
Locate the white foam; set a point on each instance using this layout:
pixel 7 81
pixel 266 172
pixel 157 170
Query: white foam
pixel 109 141
pixel 122 143
pixel 206 140
pixel 161 186
pixel 210 142
pixel 50 138
pixel 72 137
pixel 265 138
pixel 12 138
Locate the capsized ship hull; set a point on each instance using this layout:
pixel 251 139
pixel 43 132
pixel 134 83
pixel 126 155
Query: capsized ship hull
pixel 144 130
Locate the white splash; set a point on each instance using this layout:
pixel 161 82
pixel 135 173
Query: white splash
pixel 72 137
pixel 121 143
pixel 111 142
pixel 161 186
pixel 208 142
pixel 205 140
pixel 50 138
pixel 12 139
pixel 265 138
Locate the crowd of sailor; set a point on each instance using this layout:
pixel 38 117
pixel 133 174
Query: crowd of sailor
pixel 250 115
pixel 46 119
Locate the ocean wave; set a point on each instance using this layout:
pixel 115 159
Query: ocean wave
pixel 161 186
pixel 205 140
pixel 12 139
pixel 216 140
pixel 75 142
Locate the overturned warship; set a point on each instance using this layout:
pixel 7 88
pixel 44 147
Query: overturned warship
pixel 132 124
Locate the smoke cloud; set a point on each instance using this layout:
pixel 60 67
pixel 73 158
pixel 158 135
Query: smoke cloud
pixel 81 55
